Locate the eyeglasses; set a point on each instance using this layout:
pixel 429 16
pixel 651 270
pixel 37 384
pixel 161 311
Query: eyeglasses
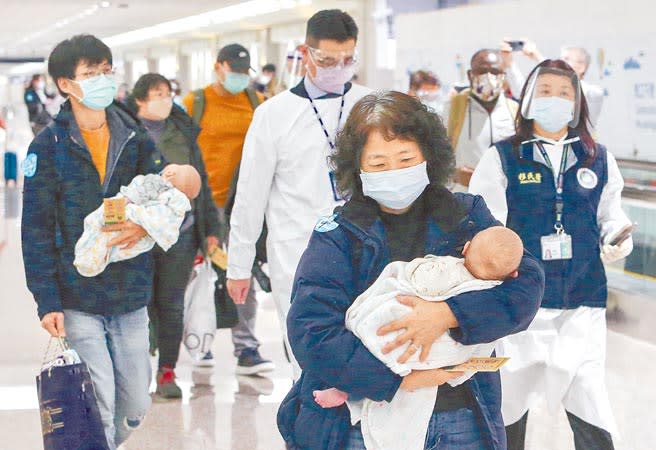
pixel 332 59
pixel 107 71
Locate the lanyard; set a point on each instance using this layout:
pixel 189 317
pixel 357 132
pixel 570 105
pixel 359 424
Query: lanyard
pixel 558 225
pixel 323 126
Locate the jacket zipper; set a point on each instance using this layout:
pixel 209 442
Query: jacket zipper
pixel 108 176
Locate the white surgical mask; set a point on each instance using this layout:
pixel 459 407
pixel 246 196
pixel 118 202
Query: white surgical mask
pixel 551 113
pixel 396 189
pixel 429 96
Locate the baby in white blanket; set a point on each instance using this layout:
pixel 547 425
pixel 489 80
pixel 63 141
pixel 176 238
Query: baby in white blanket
pixel 157 203
pixel 492 256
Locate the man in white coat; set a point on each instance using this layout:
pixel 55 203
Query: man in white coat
pixel 284 173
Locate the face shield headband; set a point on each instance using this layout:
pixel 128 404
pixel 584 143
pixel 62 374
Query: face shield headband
pixel 535 89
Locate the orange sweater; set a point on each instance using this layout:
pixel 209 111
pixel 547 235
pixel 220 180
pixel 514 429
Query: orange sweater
pixel 98 145
pixel 224 125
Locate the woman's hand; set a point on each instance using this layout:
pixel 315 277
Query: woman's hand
pixel 427 322
pixel 418 379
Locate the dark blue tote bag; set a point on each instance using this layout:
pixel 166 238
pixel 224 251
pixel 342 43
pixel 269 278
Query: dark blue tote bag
pixel 70 418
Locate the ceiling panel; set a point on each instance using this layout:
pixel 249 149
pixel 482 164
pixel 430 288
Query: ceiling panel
pixel 35 20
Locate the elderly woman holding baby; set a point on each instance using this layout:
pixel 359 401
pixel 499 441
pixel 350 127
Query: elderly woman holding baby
pixel 393 161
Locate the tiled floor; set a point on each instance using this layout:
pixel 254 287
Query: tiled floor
pixel 222 411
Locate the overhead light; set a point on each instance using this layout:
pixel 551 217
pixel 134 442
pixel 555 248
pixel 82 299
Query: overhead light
pixel 227 14
pixel 59 24
pixel 105 4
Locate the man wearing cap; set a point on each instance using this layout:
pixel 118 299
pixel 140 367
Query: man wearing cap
pixel 479 116
pixel 224 111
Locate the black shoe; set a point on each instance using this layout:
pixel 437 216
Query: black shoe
pixel 206 361
pixel 250 362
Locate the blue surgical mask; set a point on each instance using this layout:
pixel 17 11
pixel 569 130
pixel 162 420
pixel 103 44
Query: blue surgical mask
pixel 235 82
pixel 551 113
pixel 396 189
pixel 97 92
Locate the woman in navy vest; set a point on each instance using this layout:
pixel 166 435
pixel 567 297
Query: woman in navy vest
pixel 560 191
pixel 393 160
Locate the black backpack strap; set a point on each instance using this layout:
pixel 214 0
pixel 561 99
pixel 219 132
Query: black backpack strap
pixel 198 106
pixel 252 97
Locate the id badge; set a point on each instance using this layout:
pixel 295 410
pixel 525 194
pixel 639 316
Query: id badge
pixel 556 246
pixel 333 185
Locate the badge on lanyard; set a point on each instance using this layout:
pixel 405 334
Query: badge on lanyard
pixel 556 246
pixel 331 175
pixel 559 244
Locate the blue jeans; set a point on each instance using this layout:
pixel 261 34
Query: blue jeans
pixel 116 350
pixel 448 430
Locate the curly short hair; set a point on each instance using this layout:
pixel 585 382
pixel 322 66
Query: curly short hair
pixel 394 115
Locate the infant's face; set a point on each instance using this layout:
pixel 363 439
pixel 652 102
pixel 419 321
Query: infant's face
pixel 185 179
pixel 171 172
pixel 174 175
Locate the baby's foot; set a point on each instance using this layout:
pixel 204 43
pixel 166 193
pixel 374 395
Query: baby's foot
pixel 330 398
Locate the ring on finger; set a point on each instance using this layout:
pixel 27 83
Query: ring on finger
pixel 413 348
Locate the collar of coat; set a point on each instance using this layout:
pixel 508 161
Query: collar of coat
pixel 300 90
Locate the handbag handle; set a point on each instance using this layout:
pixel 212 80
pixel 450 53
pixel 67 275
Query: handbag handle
pixel 60 344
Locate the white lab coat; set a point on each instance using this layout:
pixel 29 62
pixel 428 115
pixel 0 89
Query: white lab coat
pixel 561 356
pixel 480 130
pixel 284 176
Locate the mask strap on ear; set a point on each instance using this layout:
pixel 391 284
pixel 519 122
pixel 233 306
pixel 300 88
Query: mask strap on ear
pixel 79 99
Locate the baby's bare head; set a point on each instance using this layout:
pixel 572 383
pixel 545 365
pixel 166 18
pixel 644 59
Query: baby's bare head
pixel 494 254
pixel 184 178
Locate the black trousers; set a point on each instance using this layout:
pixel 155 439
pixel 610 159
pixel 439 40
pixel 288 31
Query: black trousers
pixel 586 436
pixel 166 310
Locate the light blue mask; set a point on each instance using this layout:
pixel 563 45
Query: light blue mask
pixel 551 113
pixel 396 189
pixel 235 82
pixel 97 92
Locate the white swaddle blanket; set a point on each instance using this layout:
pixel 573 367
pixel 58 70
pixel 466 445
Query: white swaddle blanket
pixel 154 204
pixel 402 423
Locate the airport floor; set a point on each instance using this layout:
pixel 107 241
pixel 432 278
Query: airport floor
pixel 221 411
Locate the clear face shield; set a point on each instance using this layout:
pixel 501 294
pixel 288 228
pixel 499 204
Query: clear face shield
pixel 552 98
pixel 294 70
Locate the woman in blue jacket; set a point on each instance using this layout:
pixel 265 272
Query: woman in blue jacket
pixel 393 160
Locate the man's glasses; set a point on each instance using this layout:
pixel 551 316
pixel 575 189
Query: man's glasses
pixel 107 71
pixel 332 59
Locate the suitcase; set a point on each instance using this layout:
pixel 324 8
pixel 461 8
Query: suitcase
pixel 11 166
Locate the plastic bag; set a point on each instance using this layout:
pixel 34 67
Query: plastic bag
pixel 199 310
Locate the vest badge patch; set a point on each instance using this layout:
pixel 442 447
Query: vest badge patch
pixel 529 178
pixel 587 178
pixel 326 224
